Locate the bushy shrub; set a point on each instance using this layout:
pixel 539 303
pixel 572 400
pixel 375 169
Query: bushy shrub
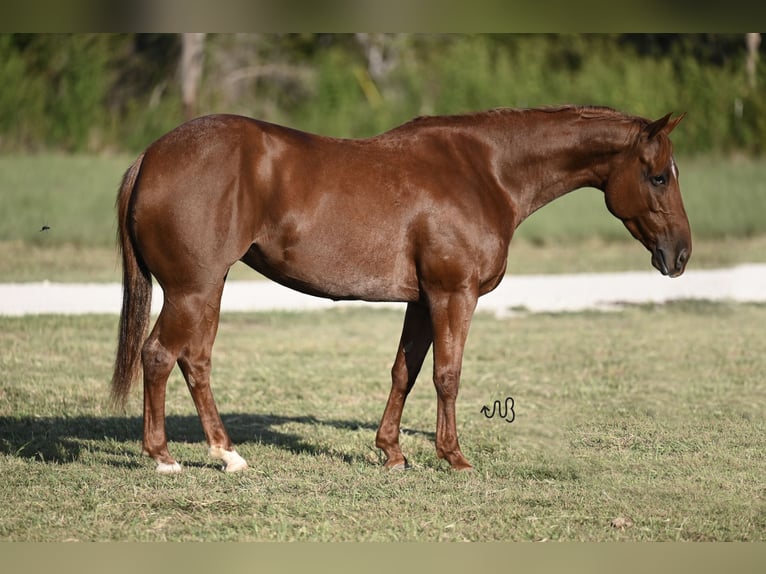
pixel 55 87
pixel 22 101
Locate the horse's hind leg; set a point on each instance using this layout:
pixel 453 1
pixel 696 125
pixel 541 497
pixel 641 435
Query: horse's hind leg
pixel 185 332
pixel 195 365
pixel 413 347
pixel 157 361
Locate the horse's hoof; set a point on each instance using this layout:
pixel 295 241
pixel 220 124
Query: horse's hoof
pixel 231 459
pixel 235 465
pixel 165 468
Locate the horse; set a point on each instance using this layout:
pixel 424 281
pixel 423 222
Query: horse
pixel 422 214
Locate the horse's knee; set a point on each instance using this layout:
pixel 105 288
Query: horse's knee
pixel 447 382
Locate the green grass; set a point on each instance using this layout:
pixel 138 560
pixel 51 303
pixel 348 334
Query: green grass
pixel 653 414
pixel 74 196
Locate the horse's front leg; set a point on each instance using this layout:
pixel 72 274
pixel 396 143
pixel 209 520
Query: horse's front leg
pixel 413 347
pixel 451 315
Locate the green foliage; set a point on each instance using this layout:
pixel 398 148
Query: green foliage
pixel 336 94
pixel 21 100
pixel 78 65
pixel 58 86
pixel 145 121
pixel 97 92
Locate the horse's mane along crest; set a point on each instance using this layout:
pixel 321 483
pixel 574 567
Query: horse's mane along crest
pixel 583 112
pixel 598 113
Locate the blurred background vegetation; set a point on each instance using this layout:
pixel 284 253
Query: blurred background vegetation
pixel 118 92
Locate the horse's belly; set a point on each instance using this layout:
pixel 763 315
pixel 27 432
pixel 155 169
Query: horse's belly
pixel 337 272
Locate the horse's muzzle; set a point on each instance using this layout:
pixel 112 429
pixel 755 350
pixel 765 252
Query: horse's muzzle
pixel 671 262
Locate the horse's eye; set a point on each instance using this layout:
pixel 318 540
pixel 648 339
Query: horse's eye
pixel 658 180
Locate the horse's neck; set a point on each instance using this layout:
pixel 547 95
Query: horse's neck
pixel 552 156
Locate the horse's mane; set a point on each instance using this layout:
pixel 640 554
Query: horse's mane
pixel 590 113
pixel 583 112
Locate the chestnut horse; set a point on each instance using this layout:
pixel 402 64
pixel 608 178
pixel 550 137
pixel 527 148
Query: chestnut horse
pixel 422 214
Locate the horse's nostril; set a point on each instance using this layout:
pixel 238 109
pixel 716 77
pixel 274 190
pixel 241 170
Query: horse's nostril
pixel 682 258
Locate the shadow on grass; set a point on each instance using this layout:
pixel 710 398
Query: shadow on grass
pixel 60 440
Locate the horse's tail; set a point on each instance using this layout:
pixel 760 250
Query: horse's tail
pixel 136 294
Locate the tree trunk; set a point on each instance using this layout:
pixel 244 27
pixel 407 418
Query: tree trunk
pixel 192 52
pixel 753 41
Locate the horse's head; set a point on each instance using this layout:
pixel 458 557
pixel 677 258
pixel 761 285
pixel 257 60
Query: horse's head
pixel 642 190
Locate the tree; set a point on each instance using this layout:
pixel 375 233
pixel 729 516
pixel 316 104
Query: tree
pixel 753 41
pixel 192 59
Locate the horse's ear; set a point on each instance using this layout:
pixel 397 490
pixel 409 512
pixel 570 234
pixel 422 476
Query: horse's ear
pixel 674 122
pixel 657 126
pixel 663 124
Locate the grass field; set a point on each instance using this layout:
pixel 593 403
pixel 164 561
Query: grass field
pixel 652 417
pixel 74 196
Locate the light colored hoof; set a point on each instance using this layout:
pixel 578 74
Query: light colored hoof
pixel 235 463
pixel 164 468
pixel 231 459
